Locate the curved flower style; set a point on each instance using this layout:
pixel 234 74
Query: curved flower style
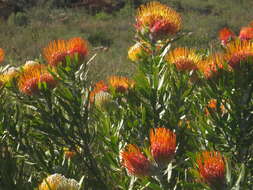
pixel 211 167
pixel 184 59
pixel 239 51
pixel 158 19
pixel 163 145
pixel 135 162
pixel 57 50
pixel 225 35
pixel 2 54
pixel 210 66
pixel 58 182
pixel 98 87
pixel 29 80
pixel 246 33
pixel 120 84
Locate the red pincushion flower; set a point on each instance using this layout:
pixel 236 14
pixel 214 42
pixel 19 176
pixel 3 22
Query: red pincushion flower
pixel 135 162
pixel 211 168
pixel 225 35
pixel 163 145
pixel 246 33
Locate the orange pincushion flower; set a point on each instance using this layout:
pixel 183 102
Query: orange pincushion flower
pixel 211 168
pixel 163 145
pixel 120 84
pixel 184 59
pixel 57 50
pixel 210 66
pixel 239 51
pixel 246 33
pixel 135 162
pixel 225 35
pixel 158 18
pixel 98 87
pixel 29 80
pixel 77 46
pixel 2 54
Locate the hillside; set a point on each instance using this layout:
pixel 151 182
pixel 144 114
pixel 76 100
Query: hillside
pixel 24 34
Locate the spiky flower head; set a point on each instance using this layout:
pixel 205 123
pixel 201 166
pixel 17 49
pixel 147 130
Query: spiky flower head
pixel 211 167
pixel 158 19
pixel 184 59
pixel 58 182
pixel 32 77
pixel 211 65
pixel 77 46
pixel 246 33
pixel 137 50
pixel 100 86
pixel 57 50
pixel 120 84
pixel 163 145
pixel 2 54
pixel 225 35
pixel 238 52
pixel 135 162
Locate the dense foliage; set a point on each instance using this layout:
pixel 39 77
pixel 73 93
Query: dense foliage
pixel 183 121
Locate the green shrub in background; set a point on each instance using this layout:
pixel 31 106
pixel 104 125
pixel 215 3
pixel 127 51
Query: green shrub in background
pixel 18 19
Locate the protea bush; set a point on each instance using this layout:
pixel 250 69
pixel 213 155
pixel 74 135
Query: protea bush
pixel 184 120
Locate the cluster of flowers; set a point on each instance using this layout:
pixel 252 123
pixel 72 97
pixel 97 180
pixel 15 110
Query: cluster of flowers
pixel 163 21
pixel 101 93
pixel 32 77
pixel 210 164
pixel 157 22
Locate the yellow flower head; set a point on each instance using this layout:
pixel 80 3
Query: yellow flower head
pixel 31 77
pixel 9 75
pixel 137 50
pixel 58 182
pixel 2 54
pixel 120 84
pixel 239 51
pixel 158 18
pixel 184 59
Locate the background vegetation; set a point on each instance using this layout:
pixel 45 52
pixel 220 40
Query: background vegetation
pixel 30 25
